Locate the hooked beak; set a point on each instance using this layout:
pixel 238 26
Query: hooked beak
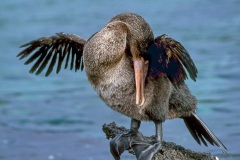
pixel 140 74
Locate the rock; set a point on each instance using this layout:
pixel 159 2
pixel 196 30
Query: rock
pixel 169 151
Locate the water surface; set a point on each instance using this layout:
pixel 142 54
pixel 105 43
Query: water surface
pixel 60 117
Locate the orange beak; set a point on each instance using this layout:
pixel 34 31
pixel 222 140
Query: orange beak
pixel 140 74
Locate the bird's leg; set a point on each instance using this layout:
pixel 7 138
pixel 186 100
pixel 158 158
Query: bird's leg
pixel 122 142
pixel 144 150
pixel 159 132
pixel 135 124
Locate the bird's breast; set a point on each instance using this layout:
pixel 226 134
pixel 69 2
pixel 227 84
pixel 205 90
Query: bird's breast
pixel 116 84
pixel 116 87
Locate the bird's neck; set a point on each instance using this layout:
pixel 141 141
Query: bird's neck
pixel 104 50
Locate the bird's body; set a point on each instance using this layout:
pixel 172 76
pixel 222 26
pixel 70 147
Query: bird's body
pixel 133 73
pixel 109 68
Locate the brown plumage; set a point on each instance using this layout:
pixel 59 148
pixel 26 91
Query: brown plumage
pixel 132 73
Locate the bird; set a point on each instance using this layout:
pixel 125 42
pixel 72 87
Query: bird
pixel 135 74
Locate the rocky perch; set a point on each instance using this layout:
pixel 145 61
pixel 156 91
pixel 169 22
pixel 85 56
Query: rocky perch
pixel 169 151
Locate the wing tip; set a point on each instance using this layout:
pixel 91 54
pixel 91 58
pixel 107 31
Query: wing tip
pixel 25 45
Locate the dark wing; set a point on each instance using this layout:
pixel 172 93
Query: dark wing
pixel 54 49
pixel 168 57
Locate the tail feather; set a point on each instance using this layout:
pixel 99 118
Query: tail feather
pixel 201 133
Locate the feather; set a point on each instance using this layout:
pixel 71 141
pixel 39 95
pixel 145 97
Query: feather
pixel 54 49
pixel 60 58
pixel 67 52
pixel 52 64
pixel 201 133
pixel 168 57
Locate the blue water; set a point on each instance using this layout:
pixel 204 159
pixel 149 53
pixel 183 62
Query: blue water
pixel 60 117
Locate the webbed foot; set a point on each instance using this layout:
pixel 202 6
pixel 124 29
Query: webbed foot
pixel 143 148
pixel 119 144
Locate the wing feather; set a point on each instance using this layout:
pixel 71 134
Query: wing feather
pixel 66 49
pixel 54 49
pixel 72 59
pixel 60 58
pixel 36 65
pixel 168 57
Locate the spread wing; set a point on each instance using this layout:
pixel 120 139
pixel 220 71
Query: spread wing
pixel 168 57
pixel 54 49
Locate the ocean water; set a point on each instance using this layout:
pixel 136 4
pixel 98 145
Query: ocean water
pixel 60 117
